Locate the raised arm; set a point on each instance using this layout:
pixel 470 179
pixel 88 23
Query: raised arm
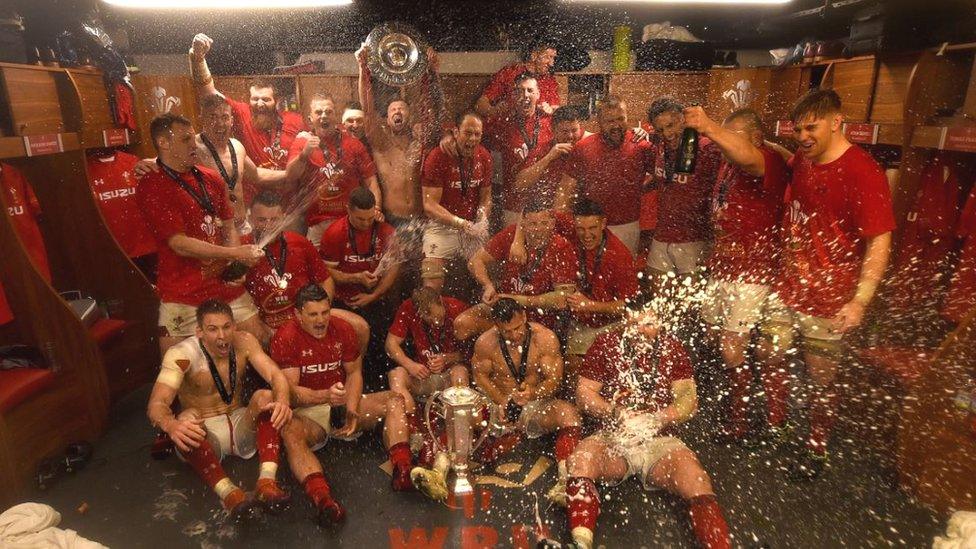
pixel 531 174
pixel 737 148
pixel 198 65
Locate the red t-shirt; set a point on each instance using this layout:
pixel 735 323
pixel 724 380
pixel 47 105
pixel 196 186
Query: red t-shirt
pixel 549 179
pixel 170 210
pixel 927 240
pixel 961 297
pixel 346 167
pixel 539 275
pixel 641 375
pixel 320 360
pixel 746 215
pixel 502 85
pixel 833 208
pixel 441 170
pixel 302 266
pixel 23 209
pixel 614 279
pixel 269 148
pixel 613 178
pixel 684 200
pixel 513 144
pixel 114 186
pixel 360 253
pixel 408 322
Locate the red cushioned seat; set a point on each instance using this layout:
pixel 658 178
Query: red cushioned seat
pixel 19 384
pixel 905 364
pixel 107 329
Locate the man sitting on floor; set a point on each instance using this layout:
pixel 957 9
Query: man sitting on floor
pixel 207 371
pixel 638 382
pixel 320 358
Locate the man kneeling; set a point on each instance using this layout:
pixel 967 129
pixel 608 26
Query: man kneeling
pixel 638 382
pixel 319 355
pixel 517 364
pixel 207 373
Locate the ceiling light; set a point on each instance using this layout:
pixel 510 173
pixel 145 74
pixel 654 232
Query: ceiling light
pixel 224 4
pixel 678 2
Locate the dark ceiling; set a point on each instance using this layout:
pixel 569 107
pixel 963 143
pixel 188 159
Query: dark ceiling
pixel 247 38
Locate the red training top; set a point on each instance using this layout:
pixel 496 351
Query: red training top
pixel 23 209
pixel 612 177
pixel 833 208
pixel 442 170
pixel 171 210
pixel 335 168
pixel 502 85
pixel 302 265
pixel 360 253
pixel 320 360
pixel 114 186
pixel 408 322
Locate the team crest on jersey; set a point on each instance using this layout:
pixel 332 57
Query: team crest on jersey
pixel 209 226
pixel 522 152
pixel 522 288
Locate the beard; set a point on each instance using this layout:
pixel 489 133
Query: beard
pixel 614 137
pixel 263 118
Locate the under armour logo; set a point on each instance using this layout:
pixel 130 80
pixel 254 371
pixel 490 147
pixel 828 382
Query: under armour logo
pixel 306 352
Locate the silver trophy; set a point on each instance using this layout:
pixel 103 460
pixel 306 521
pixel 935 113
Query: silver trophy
pixel 397 55
pixel 461 409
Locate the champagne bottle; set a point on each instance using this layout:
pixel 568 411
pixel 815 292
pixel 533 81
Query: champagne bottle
pixel 687 152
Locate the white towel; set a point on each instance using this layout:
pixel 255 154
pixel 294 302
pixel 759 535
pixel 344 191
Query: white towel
pixel 34 526
pixel 962 524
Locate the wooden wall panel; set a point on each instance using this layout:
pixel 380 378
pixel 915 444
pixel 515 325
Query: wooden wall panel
pixel 888 106
pixel 92 100
pixel 732 89
pixel 785 86
pixel 638 90
pixel 461 91
pixel 342 88
pixel 852 80
pixel 159 94
pixel 239 87
pixel 32 95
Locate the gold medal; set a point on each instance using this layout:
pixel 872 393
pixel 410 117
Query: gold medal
pixel 282 284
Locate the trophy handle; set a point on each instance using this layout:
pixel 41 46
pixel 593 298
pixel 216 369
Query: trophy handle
pixel 485 404
pixel 428 408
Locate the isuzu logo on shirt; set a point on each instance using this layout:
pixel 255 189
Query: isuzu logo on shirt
pixel 320 368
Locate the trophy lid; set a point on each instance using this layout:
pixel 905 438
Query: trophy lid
pixel 460 396
pixel 396 54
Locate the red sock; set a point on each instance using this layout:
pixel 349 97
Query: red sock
pixel 269 442
pixel 708 523
pixel 566 440
pixel 584 503
pixel 400 455
pixel 316 487
pixel 775 380
pixel 740 380
pixel 495 447
pixel 823 412
pixel 204 461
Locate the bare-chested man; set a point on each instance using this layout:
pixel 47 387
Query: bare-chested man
pixel 207 372
pixel 517 364
pixel 396 144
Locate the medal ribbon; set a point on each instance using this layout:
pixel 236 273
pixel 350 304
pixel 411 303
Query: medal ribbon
pixel 519 374
pixel 231 179
pixel 232 373
pixel 202 199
